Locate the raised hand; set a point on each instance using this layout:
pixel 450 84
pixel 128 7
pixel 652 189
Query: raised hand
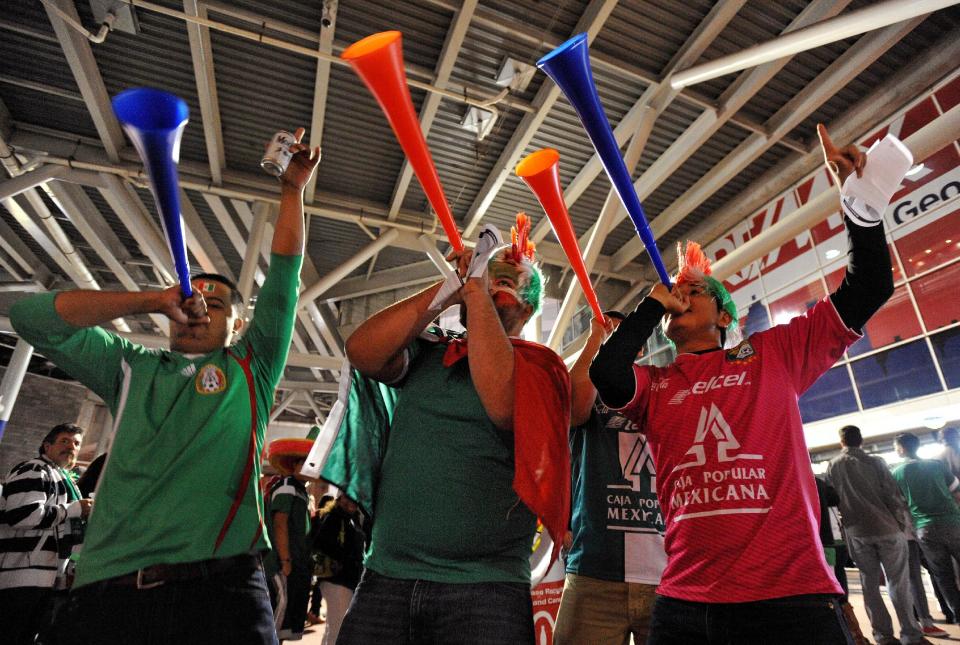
pixel 302 164
pixel 672 300
pixel 171 304
pixel 841 161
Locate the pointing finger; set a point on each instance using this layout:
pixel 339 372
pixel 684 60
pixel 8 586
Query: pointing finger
pixel 299 134
pixel 825 141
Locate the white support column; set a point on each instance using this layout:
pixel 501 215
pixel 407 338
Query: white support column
pixel 12 380
pixel 29 180
pixel 251 255
pixel 201 52
pixel 328 27
pixel 283 405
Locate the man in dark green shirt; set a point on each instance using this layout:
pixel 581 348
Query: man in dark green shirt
pixel 172 549
pixel 932 493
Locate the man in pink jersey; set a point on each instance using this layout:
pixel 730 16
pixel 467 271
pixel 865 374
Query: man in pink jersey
pixel 744 558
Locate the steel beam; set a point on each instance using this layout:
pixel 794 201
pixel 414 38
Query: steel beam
pixel 448 57
pixel 201 52
pixel 85 72
pixel 590 22
pixel 320 86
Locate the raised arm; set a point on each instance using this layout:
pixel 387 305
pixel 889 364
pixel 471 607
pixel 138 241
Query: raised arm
pixel 612 369
pixel 868 282
pixel 583 392
pixel 288 236
pixel 376 347
pixel 491 355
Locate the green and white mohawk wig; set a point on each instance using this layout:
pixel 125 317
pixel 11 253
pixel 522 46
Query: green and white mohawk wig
pixel 694 267
pixel 521 253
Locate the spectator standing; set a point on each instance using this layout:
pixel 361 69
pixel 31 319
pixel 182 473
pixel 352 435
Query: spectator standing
pixel 932 492
pixel 341 539
pixel 41 514
pixel 873 513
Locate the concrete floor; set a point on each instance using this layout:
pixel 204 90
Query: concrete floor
pixel 314 633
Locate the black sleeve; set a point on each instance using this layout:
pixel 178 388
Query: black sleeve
pixel 869 279
pixel 612 369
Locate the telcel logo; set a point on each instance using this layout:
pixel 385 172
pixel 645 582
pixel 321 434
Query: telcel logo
pixel 717 382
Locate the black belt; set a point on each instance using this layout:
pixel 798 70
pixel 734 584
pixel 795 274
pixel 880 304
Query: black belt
pixel 158 574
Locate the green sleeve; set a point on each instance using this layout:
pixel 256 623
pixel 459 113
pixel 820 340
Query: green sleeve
pixel 91 355
pixel 282 504
pixel 271 329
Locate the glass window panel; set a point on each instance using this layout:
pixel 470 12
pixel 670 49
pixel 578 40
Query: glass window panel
pixel 756 319
pixel 786 306
pixel 895 321
pixel 831 395
pixel 898 374
pixel 946 345
pixel 931 246
pixel 937 297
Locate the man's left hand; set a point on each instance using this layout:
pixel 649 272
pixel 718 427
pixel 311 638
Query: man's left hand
pixel 842 161
pixel 302 164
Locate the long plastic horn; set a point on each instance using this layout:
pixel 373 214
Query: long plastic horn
pixel 569 66
pixel 539 172
pixel 154 121
pixel 378 61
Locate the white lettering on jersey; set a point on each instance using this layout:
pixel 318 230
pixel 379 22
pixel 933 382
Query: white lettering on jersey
pixel 712 421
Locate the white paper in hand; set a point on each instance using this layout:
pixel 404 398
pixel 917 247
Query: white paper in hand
pixel 487 245
pixel 864 199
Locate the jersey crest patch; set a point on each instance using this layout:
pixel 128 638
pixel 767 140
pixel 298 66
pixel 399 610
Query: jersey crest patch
pixel 742 353
pixel 211 380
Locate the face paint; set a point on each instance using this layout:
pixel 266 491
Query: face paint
pixel 505 277
pixel 207 286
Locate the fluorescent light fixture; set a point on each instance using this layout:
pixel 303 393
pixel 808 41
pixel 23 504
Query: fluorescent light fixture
pixel 831 253
pixel 914 170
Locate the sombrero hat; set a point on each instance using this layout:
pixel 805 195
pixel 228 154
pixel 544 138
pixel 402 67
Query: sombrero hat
pixel 284 453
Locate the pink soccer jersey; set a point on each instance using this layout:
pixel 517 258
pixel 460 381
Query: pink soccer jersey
pixel 733 473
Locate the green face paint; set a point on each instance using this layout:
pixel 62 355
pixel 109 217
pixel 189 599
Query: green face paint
pixel 526 279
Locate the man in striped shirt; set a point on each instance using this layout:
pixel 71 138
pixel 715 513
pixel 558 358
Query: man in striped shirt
pixel 39 507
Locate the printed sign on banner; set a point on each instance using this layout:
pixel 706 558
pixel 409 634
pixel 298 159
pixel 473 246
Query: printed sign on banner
pixel 546 604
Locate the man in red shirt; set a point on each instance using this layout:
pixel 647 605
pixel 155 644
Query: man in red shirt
pixel 744 558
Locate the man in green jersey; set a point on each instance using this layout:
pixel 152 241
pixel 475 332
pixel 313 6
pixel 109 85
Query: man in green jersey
pixel 932 493
pixel 172 549
pixel 454 515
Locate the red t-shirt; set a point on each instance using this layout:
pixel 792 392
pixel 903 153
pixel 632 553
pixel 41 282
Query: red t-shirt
pixel 733 473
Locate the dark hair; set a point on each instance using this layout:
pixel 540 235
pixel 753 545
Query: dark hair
pixel 56 431
pixel 236 298
pixel 909 441
pixel 850 436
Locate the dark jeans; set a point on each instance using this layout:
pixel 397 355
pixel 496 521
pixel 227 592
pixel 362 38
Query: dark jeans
pixel 229 607
pixel 940 545
pixel 799 620
pixel 22 613
pixel 395 611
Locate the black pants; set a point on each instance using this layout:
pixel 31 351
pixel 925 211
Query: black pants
pixel 23 611
pixel 794 620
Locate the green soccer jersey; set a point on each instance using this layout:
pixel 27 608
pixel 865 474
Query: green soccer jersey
pixel 445 506
pixel 181 483
pixel 290 496
pixel 927 485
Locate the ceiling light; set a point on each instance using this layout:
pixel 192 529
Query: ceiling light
pixel 914 170
pixel 831 253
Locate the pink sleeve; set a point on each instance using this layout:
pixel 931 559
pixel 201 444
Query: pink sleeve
pixel 811 343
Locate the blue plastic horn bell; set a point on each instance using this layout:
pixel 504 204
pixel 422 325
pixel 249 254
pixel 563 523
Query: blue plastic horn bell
pixel 569 66
pixel 154 121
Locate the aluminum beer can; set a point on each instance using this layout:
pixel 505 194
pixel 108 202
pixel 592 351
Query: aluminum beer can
pixel 277 156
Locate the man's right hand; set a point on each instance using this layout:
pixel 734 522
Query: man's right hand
pixel 170 303
pixel 86 505
pixel 672 300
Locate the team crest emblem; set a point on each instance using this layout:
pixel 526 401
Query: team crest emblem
pixel 211 380
pixel 742 353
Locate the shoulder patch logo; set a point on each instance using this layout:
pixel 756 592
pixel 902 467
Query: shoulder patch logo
pixel 742 353
pixel 210 380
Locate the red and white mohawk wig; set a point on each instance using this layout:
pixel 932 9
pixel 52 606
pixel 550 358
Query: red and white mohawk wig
pixel 693 266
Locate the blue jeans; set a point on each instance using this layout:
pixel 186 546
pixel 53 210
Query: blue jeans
pixel 814 619
pixel 230 607
pixel 401 611
pixel 887 556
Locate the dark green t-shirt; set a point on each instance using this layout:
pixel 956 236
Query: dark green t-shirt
pixel 290 496
pixel 446 508
pixel 187 429
pixel 615 516
pixel 927 486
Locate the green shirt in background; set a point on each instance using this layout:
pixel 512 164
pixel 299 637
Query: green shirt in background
pixel 927 485
pixel 290 496
pixel 187 431
pixel 446 508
